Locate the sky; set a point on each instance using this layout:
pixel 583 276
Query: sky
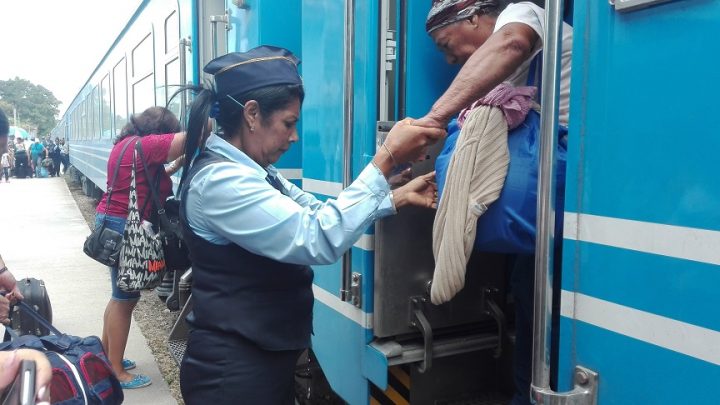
pixel 57 44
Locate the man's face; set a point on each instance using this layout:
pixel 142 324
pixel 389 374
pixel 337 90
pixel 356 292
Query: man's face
pixel 458 41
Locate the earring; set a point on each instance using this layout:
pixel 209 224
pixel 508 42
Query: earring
pixel 252 129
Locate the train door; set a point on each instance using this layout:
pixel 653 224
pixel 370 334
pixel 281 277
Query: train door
pixel 367 63
pixel 269 22
pixel 640 268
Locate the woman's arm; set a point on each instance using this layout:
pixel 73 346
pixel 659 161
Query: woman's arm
pixel 177 147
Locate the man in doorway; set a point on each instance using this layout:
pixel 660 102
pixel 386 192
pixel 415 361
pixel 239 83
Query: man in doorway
pixel 496 44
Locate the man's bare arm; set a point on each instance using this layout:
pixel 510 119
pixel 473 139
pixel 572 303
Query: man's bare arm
pixel 489 65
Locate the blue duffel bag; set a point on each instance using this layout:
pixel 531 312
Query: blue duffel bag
pixel 508 226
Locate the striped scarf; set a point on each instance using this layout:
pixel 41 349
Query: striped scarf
pixel 446 12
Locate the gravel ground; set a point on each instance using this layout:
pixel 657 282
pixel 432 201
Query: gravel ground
pixel 151 314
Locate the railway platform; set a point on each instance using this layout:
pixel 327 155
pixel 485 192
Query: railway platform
pixel 41 235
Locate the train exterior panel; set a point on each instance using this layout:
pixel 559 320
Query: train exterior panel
pixel 641 225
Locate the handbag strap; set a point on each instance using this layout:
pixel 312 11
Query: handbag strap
pixel 115 174
pixel 156 200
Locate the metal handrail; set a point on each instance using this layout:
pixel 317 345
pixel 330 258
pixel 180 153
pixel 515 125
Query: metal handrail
pixel 585 390
pixel 185 44
pixel 348 111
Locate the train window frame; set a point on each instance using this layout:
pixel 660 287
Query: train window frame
pixel 105 102
pixel 122 74
pixel 143 48
pixel 95 106
pixel 143 99
pixel 171 42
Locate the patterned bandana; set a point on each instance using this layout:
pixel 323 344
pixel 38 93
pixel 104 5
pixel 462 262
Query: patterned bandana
pixel 446 12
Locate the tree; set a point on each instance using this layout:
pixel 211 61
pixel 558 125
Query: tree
pixel 36 106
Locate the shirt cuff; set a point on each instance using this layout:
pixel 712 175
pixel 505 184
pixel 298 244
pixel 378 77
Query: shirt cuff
pixel 376 182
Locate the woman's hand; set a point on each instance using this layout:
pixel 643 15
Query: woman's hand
pixel 420 192
pixel 10 362
pixel 405 143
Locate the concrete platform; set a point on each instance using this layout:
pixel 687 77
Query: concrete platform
pixel 41 236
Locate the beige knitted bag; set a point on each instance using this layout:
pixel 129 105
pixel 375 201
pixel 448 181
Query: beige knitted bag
pixel 475 177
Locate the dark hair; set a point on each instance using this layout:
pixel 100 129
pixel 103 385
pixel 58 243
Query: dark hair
pixel 4 124
pixel 229 115
pixel 154 120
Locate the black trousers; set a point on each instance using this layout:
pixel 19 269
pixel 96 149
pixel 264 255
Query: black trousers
pixel 221 368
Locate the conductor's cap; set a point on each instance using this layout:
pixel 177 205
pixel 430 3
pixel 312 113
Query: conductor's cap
pixel 239 72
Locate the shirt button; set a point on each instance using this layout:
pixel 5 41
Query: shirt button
pixel 383 194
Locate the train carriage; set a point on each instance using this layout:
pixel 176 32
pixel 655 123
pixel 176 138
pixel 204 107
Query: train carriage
pixel 637 323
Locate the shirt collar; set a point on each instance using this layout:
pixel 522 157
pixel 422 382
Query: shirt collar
pixel 223 147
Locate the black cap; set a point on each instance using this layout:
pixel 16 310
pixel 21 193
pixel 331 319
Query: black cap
pixel 239 72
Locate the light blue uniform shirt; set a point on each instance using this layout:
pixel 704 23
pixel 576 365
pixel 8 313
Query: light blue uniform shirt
pixel 232 202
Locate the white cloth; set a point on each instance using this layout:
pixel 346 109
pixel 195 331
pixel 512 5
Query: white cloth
pixel 5 160
pixel 534 16
pixel 475 178
pixel 232 202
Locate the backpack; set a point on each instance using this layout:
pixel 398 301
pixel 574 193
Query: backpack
pixel 81 373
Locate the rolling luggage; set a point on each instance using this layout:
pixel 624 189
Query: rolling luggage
pixel 35 296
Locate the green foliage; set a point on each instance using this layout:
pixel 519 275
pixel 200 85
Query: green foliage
pixel 36 106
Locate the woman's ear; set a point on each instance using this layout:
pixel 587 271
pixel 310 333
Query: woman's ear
pixel 252 114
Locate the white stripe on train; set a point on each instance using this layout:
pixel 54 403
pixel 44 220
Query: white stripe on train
pixel 681 337
pixel 700 245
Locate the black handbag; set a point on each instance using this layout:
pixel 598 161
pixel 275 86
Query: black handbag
pixel 177 255
pixel 103 244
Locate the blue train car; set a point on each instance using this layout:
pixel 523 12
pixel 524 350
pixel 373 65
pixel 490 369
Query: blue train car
pixel 637 323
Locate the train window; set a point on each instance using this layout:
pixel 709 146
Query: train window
pixel 95 106
pixel 83 120
pixel 105 110
pixel 144 94
pixel 172 32
pixel 172 81
pixel 142 57
pixel 120 95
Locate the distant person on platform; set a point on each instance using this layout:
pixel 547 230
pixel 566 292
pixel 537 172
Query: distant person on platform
pixel 37 154
pixel 64 155
pixel 54 153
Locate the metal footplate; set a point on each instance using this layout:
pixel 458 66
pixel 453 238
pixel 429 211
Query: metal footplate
pixel 177 341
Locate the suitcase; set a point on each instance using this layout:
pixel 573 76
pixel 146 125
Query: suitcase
pixel 36 296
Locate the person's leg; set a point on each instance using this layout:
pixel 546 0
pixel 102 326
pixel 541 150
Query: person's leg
pixel 219 368
pixel 118 312
pixel 522 284
pixel 116 328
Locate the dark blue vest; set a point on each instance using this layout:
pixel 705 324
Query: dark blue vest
pixel 238 292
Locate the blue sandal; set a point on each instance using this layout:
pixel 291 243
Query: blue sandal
pixel 128 364
pixel 138 381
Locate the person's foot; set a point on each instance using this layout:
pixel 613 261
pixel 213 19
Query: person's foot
pixel 128 364
pixel 135 381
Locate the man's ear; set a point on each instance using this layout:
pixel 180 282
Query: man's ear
pixel 474 21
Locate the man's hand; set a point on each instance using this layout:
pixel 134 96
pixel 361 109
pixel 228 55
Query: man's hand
pixel 420 192
pixel 431 121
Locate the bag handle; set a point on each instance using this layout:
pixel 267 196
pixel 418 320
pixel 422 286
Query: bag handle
pixel 35 315
pixel 164 223
pixel 115 174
